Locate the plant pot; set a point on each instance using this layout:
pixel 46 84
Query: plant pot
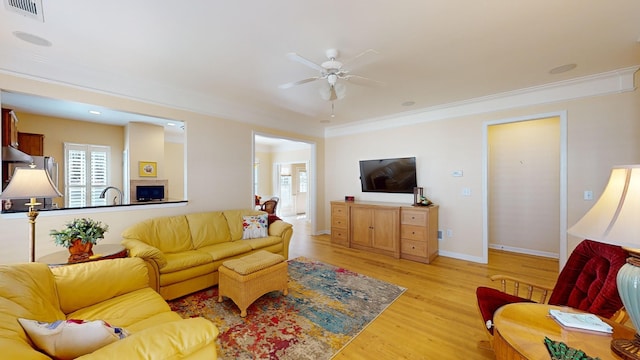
pixel 80 251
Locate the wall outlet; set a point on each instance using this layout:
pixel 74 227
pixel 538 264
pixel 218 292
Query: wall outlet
pixel 588 195
pixel 449 233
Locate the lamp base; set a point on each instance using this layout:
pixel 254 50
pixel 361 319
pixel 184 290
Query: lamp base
pixel 628 349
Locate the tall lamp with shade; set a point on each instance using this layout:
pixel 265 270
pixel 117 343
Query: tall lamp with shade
pixel 30 183
pixel 615 219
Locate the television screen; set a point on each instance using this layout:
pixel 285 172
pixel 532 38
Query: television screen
pixel 396 175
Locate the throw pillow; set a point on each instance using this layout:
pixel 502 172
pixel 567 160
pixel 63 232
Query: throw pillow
pixel 254 226
pixel 69 339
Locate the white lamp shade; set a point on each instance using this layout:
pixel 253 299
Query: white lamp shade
pixel 615 218
pixel 30 183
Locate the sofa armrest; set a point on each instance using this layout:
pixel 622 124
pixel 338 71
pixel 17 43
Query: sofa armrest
pixel 172 340
pixel 285 231
pixel 145 251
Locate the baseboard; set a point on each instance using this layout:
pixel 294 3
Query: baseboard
pixel 524 251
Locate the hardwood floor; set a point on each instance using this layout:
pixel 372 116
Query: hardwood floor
pixel 437 317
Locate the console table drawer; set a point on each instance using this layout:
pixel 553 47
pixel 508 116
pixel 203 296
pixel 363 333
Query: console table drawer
pixel 413 232
pixel 414 217
pixel 339 221
pixel 412 247
pixel 340 236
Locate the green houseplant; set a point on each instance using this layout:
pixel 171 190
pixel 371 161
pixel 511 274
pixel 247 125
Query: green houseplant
pixel 79 236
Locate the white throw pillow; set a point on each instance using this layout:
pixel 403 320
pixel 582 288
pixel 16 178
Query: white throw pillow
pixel 69 339
pixel 254 226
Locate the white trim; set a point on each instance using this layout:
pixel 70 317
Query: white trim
pixel 525 251
pixel 460 256
pixel 563 180
pixel 610 82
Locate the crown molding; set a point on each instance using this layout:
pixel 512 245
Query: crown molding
pixel 610 82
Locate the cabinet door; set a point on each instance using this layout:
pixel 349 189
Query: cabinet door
pixel 32 144
pixel 361 227
pixel 385 229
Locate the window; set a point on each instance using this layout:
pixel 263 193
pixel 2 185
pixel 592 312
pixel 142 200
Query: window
pixel 86 174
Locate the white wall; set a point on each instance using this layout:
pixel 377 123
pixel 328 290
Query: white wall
pixel 603 131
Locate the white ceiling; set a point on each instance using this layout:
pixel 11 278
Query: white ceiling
pixel 227 58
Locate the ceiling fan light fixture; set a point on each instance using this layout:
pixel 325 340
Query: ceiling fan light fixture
pixel 325 91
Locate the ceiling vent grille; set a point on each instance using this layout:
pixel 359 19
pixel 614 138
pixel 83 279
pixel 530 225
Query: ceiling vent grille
pixel 29 8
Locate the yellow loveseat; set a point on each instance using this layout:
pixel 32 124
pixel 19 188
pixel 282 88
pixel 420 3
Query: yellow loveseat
pixel 116 291
pixel 186 251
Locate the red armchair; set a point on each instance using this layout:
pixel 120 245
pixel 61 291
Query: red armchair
pixel 587 282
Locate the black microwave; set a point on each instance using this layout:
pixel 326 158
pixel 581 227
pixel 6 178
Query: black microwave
pixel 150 192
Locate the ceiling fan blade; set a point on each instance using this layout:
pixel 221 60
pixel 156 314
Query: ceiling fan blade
pixel 333 95
pixel 299 82
pixel 359 57
pixel 305 61
pixel 361 80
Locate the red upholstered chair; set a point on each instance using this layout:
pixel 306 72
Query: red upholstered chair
pixel 587 282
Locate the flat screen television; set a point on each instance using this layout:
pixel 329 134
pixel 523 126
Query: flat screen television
pixel 397 175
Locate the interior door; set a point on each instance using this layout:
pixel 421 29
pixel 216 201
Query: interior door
pixel 286 204
pixel 301 186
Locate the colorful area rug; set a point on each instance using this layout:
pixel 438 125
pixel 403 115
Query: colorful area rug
pixel 326 308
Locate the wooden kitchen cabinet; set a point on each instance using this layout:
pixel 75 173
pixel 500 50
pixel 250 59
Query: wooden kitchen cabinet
pixel 419 233
pixel 9 128
pixel 32 144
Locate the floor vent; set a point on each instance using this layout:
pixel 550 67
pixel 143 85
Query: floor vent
pixel 29 8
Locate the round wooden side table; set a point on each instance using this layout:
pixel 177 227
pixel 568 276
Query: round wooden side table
pixel 520 330
pixel 100 252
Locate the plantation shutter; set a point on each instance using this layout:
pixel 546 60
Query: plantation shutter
pixel 86 174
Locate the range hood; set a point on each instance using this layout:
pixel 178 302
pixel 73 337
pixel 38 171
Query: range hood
pixel 11 154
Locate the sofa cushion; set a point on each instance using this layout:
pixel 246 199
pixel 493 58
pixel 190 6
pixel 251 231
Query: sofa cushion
pixel 68 339
pixel 170 234
pixel 227 250
pixel 99 281
pixel 234 220
pixel 263 242
pixel 171 340
pixel 27 291
pixel 208 228
pixel 254 226
pixel 185 260
pixel 125 310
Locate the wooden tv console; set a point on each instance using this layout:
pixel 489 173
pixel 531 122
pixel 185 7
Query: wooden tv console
pixel 398 230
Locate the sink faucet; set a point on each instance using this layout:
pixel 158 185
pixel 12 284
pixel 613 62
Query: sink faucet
pixel 102 194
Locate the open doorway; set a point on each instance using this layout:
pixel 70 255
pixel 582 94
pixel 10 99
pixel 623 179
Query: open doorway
pixel 505 191
pixel 284 168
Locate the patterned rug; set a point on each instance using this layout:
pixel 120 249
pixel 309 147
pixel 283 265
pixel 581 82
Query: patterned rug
pixel 326 308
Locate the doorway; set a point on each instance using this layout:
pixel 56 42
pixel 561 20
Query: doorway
pixel 285 168
pixel 525 186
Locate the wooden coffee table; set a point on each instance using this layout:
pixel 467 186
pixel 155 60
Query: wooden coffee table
pixel 520 330
pixel 100 252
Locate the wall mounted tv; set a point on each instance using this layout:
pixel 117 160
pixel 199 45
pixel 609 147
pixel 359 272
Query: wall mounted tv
pixel 397 175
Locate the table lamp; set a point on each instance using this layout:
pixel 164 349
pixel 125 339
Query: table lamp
pixel 615 219
pixel 30 183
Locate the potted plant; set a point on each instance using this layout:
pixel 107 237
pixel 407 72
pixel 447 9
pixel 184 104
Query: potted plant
pixel 79 236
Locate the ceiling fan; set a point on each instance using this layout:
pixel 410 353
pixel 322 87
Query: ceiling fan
pixel 331 70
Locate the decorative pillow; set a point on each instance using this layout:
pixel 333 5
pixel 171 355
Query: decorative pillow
pixel 254 226
pixel 69 339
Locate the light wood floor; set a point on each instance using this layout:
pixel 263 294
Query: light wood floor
pixel 437 317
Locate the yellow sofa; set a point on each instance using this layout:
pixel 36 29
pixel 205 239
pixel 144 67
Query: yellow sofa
pixel 185 251
pixel 116 291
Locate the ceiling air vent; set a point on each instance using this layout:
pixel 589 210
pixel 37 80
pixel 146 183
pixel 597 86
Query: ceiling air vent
pixel 29 8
